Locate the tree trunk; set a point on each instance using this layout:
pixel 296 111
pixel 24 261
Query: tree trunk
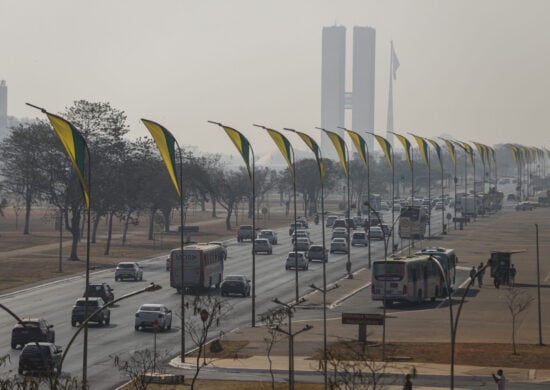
pixel 151 225
pixel 126 224
pixel 228 217
pixel 213 201
pixel 28 206
pixel 109 233
pixel 94 228
pixel 74 228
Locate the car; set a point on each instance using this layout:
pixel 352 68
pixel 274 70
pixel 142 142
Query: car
pixel 339 232
pixel 300 233
pixel 351 223
pixel 339 245
pixel 270 235
pixel 262 245
pixel 102 290
pixel 44 358
pixel 148 313
pixel 78 314
pixel 359 238
pixel 298 225
pixel 128 270
pixel 511 197
pixel 235 284
pixel 316 252
pixel 358 221
pixel 222 245
pixel 31 330
pixel 375 232
pixel 340 222
pixel 330 220
pixel 304 222
pixel 302 244
pixel 245 232
pixel 525 206
pixel 298 262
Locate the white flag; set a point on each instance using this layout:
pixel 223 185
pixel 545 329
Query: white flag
pixel 394 61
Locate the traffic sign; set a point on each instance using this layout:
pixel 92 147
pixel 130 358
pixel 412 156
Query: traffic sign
pixel 362 319
pixel 204 315
pixel 155 326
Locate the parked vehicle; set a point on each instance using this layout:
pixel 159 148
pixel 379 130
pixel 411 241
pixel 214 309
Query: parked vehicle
pixel 79 312
pixel 102 290
pixel 128 270
pixel 235 284
pixel 262 245
pixel 245 232
pixel 44 358
pixel 148 313
pixel 316 252
pixel 359 238
pixel 405 279
pixel 300 261
pixel 203 267
pixel 525 206
pixel 31 330
pixel 339 245
pixel 270 235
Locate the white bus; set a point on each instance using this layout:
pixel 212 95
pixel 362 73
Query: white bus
pixel 202 264
pixel 448 259
pixel 405 279
pixel 412 222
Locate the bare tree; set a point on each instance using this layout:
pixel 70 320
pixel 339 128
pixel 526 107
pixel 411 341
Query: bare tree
pixel 208 311
pixel 272 320
pixel 517 302
pixel 139 367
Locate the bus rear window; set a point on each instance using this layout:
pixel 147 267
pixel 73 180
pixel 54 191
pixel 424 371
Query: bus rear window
pixel 388 271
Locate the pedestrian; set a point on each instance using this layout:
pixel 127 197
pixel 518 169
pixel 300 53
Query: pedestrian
pixel 408 385
pixel 473 273
pixel 500 380
pixel 512 273
pixel 480 273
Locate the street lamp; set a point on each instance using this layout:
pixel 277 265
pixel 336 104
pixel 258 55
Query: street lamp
pixel 289 309
pixel 84 324
pixel 324 291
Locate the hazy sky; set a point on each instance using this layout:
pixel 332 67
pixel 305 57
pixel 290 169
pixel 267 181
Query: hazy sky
pixel 474 69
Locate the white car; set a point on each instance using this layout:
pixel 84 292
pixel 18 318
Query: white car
pixel 148 313
pixel 339 245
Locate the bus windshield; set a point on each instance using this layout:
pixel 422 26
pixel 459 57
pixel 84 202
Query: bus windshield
pixel 388 270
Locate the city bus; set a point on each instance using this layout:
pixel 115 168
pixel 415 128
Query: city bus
pixel 202 265
pixel 412 222
pixel 448 260
pixel 405 279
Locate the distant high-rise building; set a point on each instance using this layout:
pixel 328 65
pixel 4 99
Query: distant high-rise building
pixel 334 99
pixel 333 85
pixel 362 111
pixel 3 106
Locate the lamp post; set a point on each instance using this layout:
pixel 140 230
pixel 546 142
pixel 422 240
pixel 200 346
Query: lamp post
pixel 324 292
pixel 84 324
pixel 289 309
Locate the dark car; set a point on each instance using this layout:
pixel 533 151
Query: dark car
pixel 78 314
pixel 101 290
pixel 44 358
pixel 235 284
pixel 245 232
pixel 31 330
pixel 316 252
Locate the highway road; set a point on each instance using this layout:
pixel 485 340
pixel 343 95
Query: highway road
pixel 54 302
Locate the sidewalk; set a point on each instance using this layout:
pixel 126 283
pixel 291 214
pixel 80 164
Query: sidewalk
pixel 484 318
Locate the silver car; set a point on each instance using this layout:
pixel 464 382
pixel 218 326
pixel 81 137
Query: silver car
pixel 339 245
pixel 359 238
pixel 128 270
pixel 148 313
pixel 262 245
pixel 300 262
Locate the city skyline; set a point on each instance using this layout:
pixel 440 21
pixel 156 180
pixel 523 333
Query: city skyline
pixel 474 70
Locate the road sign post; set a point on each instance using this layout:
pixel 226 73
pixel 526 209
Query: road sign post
pixel 362 320
pixel 155 330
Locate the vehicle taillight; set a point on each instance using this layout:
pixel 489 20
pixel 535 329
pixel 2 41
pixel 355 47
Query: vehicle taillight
pixel 405 290
pixel 137 314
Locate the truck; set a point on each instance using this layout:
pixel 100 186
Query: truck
pixel 245 232
pixel 202 267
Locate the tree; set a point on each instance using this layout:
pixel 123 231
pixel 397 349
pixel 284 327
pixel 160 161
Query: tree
pixel 272 320
pixel 207 313
pixel 517 302
pixel 139 367
pixel 232 186
pixel 22 154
